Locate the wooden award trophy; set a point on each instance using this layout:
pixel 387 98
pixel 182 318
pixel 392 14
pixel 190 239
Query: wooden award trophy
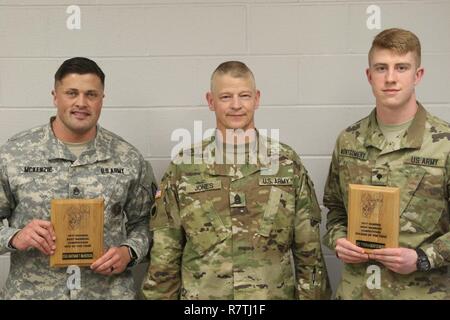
pixel 373 216
pixel 78 225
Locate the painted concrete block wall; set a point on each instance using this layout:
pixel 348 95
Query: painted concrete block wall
pixel 308 57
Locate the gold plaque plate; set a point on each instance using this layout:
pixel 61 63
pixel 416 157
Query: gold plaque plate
pixel 78 225
pixel 373 216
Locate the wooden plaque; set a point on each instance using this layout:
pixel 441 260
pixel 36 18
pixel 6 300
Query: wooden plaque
pixel 78 225
pixel 373 216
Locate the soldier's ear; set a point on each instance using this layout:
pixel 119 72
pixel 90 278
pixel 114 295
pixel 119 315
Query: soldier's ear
pixel 369 75
pixel 258 98
pixel 419 75
pixel 210 100
pixel 54 97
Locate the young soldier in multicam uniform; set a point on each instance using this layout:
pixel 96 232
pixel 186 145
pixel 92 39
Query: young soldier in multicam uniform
pixel 401 145
pixel 73 157
pixel 230 229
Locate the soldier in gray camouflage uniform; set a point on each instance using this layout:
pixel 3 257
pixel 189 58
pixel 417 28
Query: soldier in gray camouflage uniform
pixel 401 145
pixel 226 229
pixel 73 157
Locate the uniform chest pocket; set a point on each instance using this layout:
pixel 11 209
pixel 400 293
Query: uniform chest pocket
pixel 34 188
pixel 422 198
pixel 113 189
pixel 356 171
pixel 199 215
pixel 33 193
pixel 353 171
pixel 110 188
pixel 277 222
pixel 204 228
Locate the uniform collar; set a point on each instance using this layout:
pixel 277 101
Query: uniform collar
pixel 263 152
pixel 98 149
pixel 412 139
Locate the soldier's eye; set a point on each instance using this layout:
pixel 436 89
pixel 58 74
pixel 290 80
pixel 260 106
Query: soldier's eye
pixel 402 68
pixel 71 94
pixel 92 95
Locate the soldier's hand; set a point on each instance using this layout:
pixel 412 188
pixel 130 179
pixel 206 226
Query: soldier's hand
pixel 114 261
pixel 37 234
pixel 350 253
pixel 399 260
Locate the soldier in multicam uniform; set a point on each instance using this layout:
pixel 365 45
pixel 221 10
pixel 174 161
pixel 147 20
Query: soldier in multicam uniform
pixel 230 229
pixel 400 145
pixel 73 157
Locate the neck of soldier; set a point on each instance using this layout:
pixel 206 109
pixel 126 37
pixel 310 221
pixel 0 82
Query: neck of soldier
pixel 236 136
pixel 64 134
pixel 236 146
pixel 392 115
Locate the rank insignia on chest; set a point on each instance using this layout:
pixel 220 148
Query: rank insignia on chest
pixel 237 200
pixel 379 176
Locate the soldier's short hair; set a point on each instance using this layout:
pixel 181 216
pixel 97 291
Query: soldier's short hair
pixel 235 69
pixel 398 40
pixel 79 65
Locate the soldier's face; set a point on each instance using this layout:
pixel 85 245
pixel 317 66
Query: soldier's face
pixel 234 100
pixel 393 78
pixel 78 99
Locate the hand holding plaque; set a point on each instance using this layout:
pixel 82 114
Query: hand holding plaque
pixel 78 225
pixel 373 216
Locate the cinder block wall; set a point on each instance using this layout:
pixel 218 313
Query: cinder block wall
pixel 308 56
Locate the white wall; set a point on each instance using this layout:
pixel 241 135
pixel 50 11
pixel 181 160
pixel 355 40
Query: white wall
pixel 308 57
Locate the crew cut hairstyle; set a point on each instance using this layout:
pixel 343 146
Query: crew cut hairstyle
pixel 79 65
pixel 398 40
pixel 235 69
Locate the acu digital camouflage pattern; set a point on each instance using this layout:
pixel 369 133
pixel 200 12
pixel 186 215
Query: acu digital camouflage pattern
pixel 224 231
pixel 420 166
pixel 35 168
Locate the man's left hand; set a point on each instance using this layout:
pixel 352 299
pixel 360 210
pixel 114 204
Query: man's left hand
pixel 399 260
pixel 114 261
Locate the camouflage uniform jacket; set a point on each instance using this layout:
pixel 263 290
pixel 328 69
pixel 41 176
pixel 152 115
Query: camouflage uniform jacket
pixel 224 231
pixel 420 166
pixel 35 168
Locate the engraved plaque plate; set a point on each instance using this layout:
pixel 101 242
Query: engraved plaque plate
pixel 78 225
pixel 373 216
